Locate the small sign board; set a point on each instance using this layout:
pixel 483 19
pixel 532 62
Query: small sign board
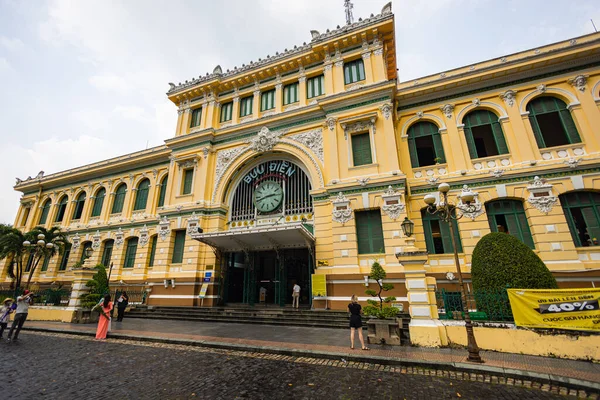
pixel 319 286
pixel 206 280
pixel 322 263
pixel 399 306
pixel 203 290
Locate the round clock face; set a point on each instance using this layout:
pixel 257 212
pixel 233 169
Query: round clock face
pixel 268 196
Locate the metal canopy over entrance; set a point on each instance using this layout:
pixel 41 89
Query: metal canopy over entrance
pixel 263 264
pixel 287 236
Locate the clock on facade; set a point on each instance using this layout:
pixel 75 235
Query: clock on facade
pixel 268 196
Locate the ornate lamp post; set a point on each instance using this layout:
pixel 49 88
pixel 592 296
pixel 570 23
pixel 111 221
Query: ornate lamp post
pixel 37 247
pixel 447 213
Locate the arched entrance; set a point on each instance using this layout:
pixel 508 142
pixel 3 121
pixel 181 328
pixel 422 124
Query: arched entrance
pixel 268 245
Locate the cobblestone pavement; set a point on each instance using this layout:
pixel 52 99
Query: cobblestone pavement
pixel 60 366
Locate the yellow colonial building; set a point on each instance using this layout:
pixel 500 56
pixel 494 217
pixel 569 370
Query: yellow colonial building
pixel 307 161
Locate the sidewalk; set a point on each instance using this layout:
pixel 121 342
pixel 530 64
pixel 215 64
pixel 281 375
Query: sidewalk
pixel 335 344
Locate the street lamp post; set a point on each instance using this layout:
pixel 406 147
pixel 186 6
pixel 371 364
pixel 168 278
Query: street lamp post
pixel 40 245
pixel 446 212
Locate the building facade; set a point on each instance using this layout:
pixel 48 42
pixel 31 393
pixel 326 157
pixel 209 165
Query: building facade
pixel 306 162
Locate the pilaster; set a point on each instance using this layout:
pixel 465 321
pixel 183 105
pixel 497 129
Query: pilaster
pixel 328 76
pixel 235 113
pixel 338 76
pixel 366 56
pixel 278 97
pixel 256 103
pixel 379 65
pixel 185 121
pixel 302 89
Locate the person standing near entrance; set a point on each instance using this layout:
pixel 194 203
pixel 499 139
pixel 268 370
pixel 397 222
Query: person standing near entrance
pixel 122 303
pixel 23 303
pixel 296 296
pixel 356 322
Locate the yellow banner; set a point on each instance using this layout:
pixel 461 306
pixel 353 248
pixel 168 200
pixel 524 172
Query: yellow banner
pixel 319 285
pixel 575 309
pixel 203 290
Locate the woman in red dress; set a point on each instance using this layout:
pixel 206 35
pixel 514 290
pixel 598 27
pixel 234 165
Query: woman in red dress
pixel 104 321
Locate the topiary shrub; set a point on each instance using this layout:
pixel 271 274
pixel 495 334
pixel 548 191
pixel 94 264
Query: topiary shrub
pixel 98 288
pixel 501 260
pixel 376 308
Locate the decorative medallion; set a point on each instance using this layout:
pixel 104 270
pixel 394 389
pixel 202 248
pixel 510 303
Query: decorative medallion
pixel 386 110
pixel 192 225
pixel 313 140
pixel 164 229
pixel 472 210
pixel 330 122
pixel 509 97
pixel 342 212
pixel 540 195
pixel 573 162
pixel 541 88
pixel 144 236
pixel 579 82
pixel 76 241
pixel 119 238
pixel 391 203
pixel 447 109
pixel 96 240
pixel 264 140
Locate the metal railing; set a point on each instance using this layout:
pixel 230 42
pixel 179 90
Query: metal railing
pixel 41 297
pixel 482 305
pixel 137 296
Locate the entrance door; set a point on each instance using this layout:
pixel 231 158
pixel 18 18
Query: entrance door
pixel 266 279
pixel 235 278
pixel 296 267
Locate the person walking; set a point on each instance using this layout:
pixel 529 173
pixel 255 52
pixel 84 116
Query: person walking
pixel 23 303
pixel 122 305
pixel 296 296
pixel 356 322
pixel 104 321
pixel 5 312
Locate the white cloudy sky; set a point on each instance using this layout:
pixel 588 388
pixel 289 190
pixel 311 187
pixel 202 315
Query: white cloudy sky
pixel 82 80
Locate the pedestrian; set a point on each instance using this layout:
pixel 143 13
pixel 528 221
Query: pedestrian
pixel 23 303
pixel 296 296
pixel 5 312
pixel 122 305
pixel 105 307
pixel 356 322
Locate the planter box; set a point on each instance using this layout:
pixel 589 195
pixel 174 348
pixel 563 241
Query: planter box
pixel 384 331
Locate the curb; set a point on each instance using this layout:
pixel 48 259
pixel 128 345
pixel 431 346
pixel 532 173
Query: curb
pixel 508 373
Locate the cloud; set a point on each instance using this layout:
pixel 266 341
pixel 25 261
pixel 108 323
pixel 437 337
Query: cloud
pixel 111 83
pixel 11 44
pixel 4 65
pixel 134 113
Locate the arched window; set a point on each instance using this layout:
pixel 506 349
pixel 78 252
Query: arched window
pixel 141 197
pixel 45 211
pixel 162 191
pixel 582 210
pixel 79 204
pixel 132 244
pixel 98 202
pixel 484 135
pixel 119 199
pixel 552 122
pixel 425 145
pixel 508 216
pixel 107 252
pixel 437 234
pixel 62 207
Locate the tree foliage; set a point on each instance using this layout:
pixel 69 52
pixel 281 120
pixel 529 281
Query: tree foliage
pixel 98 288
pixel 376 308
pixel 501 260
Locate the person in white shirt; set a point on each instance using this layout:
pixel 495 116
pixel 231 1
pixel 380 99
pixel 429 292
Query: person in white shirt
pixel 296 296
pixel 23 303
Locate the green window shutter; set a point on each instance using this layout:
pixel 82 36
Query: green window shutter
pixel 524 227
pixel 226 110
pixel 196 117
pixel 347 74
pixel 290 94
pixel 98 203
pixel 537 133
pixel 45 264
pixel 119 199
pixel 29 262
pixel 45 211
pixel 438 147
pixel 361 149
pixel 79 204
pixel 163 190
pixel 369 232
pixel 141 197
pixel 246 106
pixel 360 66
pixel 178 247
pixel 592 221
pixel 152 250
pixel 130 253
pixel 569 126
pixel 428 232
pixel 571 224
pixel 188 176
pixel 499 138
pixel 267 100
pixel 107 253
pixel 62 207
pixel 315 86
pixel 65 258
pixel 310 88
pixel 412 149
pixel 354 71
pixel 447 239
pixel 470 142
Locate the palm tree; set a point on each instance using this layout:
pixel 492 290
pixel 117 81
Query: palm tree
pixel 53 235
pixel 12 250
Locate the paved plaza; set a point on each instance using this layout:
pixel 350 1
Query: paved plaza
pixel 60 366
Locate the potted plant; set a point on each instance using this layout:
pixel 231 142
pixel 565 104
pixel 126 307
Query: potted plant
pixel 383 328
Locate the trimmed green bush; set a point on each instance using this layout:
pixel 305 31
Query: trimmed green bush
pixel 501 260
pixel 376 308
pixel 98 288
